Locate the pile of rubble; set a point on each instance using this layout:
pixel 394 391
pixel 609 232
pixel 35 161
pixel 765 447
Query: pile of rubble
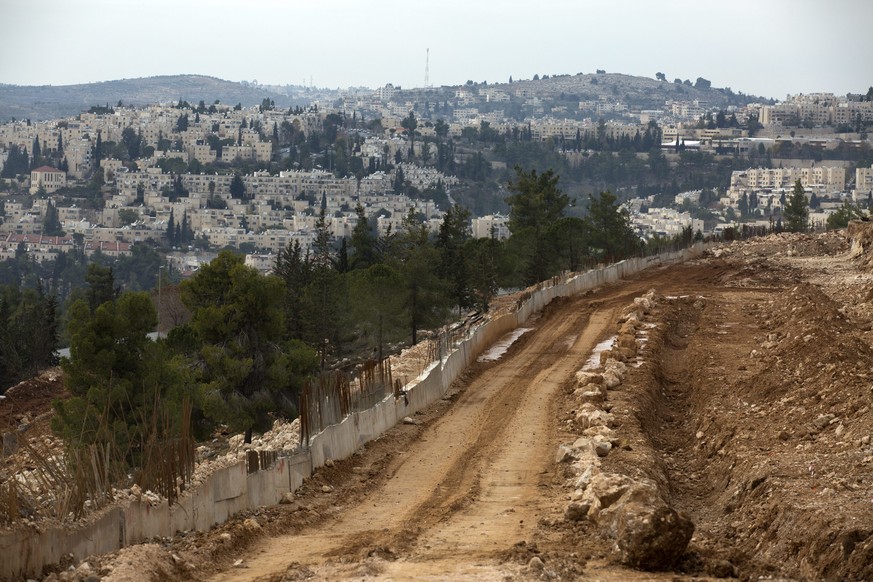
pixel 647 532
pixel 283 438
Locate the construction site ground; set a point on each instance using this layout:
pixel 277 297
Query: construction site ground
pixel 750 408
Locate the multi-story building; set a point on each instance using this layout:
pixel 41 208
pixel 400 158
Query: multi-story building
pixel 48 179
pixel 823 180
pixel 863 183
pixel 664 222
pixel 491 226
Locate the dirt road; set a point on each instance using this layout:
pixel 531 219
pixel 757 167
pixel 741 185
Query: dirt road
pixel 478 479
pixel 471 486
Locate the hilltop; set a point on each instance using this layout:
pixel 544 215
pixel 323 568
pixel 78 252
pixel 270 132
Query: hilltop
pixel 636 91
pixel 52 102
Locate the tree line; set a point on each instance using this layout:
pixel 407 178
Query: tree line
pixel 252 339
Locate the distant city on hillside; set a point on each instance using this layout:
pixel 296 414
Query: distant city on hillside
pixel 192 164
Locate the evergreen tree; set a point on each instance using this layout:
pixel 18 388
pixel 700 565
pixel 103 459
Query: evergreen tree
pixel 610 227
pixel 342 260
pixel 743 205
pixel 483 257
pixel 399 180
pixel 184 236
pixel 841 217
pixel 237 187
pixel 410 124
pixel 416 258
pixel 36 150
pixel 237 314
pixel 171 230
pixel 101 285
pixel 116 375
pixel 45 331
pixel 377 305
pixel 453 235
pixel 17 162
pixel 28 333
pixel 295 270
pixel 51 225
pixel 796 211
pixel 98 150
pixel 324 295
pixel 536 205
pixel 573 242
pixel 364 242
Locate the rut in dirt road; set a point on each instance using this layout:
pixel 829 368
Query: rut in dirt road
pixel 471 487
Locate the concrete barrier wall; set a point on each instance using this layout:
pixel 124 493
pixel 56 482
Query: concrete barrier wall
pixel 25 552
pixel 230 490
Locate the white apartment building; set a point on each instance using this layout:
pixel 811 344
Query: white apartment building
pixel 822 180
pixel 664 222
pixel 496 225
pixel 863 183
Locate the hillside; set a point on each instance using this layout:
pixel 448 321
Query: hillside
pixel 635 91
pixel 51 102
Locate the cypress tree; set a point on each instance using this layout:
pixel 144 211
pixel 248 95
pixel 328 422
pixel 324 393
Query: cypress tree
pixel 171 230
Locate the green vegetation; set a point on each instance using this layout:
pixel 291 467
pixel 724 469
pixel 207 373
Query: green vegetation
pixel 841 217
pixel 235 337
pixel 115 375
pixel 28 332
pixel 796 211
pixel 536 205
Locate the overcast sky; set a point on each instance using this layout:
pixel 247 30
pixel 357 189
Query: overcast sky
pixel 764 47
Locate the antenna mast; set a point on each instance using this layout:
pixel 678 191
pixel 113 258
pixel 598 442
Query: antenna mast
pixel 427 69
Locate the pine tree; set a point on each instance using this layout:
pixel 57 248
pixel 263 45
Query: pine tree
pixel 416 259
pixel 101 286
pixel 115 376
pixel 796 211
pixel 451 240
pixel 535 207
pixel 399 180
pixel 237 314
pixel 295 270
pixel 364 242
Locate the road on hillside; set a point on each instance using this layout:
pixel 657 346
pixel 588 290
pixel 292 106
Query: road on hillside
pixel 476 481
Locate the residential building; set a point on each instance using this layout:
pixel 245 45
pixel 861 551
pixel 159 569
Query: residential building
pixel 863 183
pixel 48 179
pixel 493 225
